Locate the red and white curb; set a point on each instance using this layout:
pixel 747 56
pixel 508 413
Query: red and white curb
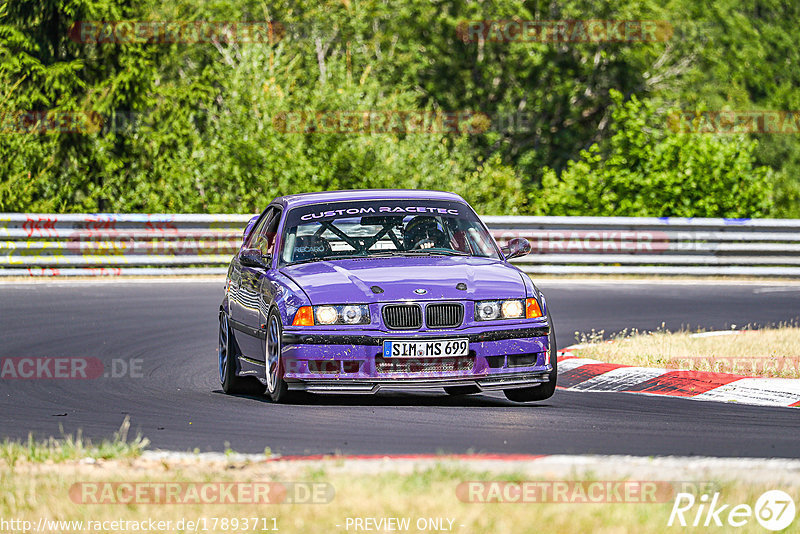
pixel 585 374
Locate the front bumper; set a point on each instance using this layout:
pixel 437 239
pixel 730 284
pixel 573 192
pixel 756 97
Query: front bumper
pixel 489 383
pixel 352 361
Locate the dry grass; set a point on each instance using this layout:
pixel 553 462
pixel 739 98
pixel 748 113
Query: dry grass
pixel 769 352
pixel 34 490
pixel 39 481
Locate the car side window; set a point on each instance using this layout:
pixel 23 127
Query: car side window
pixel 259 228
pixel 266 237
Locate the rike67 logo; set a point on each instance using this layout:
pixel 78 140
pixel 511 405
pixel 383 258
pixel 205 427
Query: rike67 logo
pixel 774 510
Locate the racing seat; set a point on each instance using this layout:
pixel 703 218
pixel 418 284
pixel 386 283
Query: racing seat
pixel 309 247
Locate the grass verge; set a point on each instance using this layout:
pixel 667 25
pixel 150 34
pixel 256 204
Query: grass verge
pixel 425 495
pixel 70 447
pixel 768 352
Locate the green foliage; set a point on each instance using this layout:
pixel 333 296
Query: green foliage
pixel 227 148
pixel 192 127
pixel 646 170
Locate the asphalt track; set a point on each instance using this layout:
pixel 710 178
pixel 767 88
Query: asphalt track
pixel 177 403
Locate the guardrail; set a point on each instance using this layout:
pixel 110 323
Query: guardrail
pixel 655 245
pixel 165 244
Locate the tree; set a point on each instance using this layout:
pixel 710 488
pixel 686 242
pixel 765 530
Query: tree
pixel 646 169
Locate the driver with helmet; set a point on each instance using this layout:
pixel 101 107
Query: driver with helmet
pixel 424 232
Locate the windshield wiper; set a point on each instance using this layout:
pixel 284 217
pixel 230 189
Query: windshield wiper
pixel 342 256
pixel 385 254
pixel 325 258
pixel 418 252
pixel 434 251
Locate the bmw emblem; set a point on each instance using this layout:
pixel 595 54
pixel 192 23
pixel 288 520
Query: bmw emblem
pixel 420 291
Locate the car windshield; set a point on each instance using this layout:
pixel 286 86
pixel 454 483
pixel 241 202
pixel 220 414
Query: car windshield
pixel 378 228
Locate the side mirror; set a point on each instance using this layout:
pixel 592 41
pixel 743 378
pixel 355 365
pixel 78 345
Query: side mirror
pixel 251 257
pixel 249 228
pixel 519 246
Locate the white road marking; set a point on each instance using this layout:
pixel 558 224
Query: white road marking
pixel 619 379
pixel 760 391
pixel 776 289
pixel 572 363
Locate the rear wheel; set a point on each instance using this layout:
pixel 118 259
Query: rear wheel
pixel 227 355
pixel 543 391
pixel 277 389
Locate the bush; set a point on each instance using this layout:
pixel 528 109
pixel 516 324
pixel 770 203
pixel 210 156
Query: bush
pixel 647 170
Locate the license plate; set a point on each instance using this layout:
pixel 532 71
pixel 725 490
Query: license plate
pixel 417 348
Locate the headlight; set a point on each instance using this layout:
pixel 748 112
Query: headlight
pixel 352 314
pixel 512 308
pixel 488 310
pixel 325 314
pixel 332 315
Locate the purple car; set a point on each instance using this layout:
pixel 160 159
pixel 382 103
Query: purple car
pixel 357 291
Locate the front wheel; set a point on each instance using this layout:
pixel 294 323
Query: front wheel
pixel 543 391
pixel 277 389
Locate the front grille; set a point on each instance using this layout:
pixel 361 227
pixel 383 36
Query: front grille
pixel 424 365
pixel 402 316
pixel 446 315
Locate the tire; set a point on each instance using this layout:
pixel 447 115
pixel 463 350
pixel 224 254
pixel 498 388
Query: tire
pixel 227 355
pixel 462 390
pixel 277 389
pixel 543 391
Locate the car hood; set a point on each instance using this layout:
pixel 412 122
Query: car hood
pixel 343 281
